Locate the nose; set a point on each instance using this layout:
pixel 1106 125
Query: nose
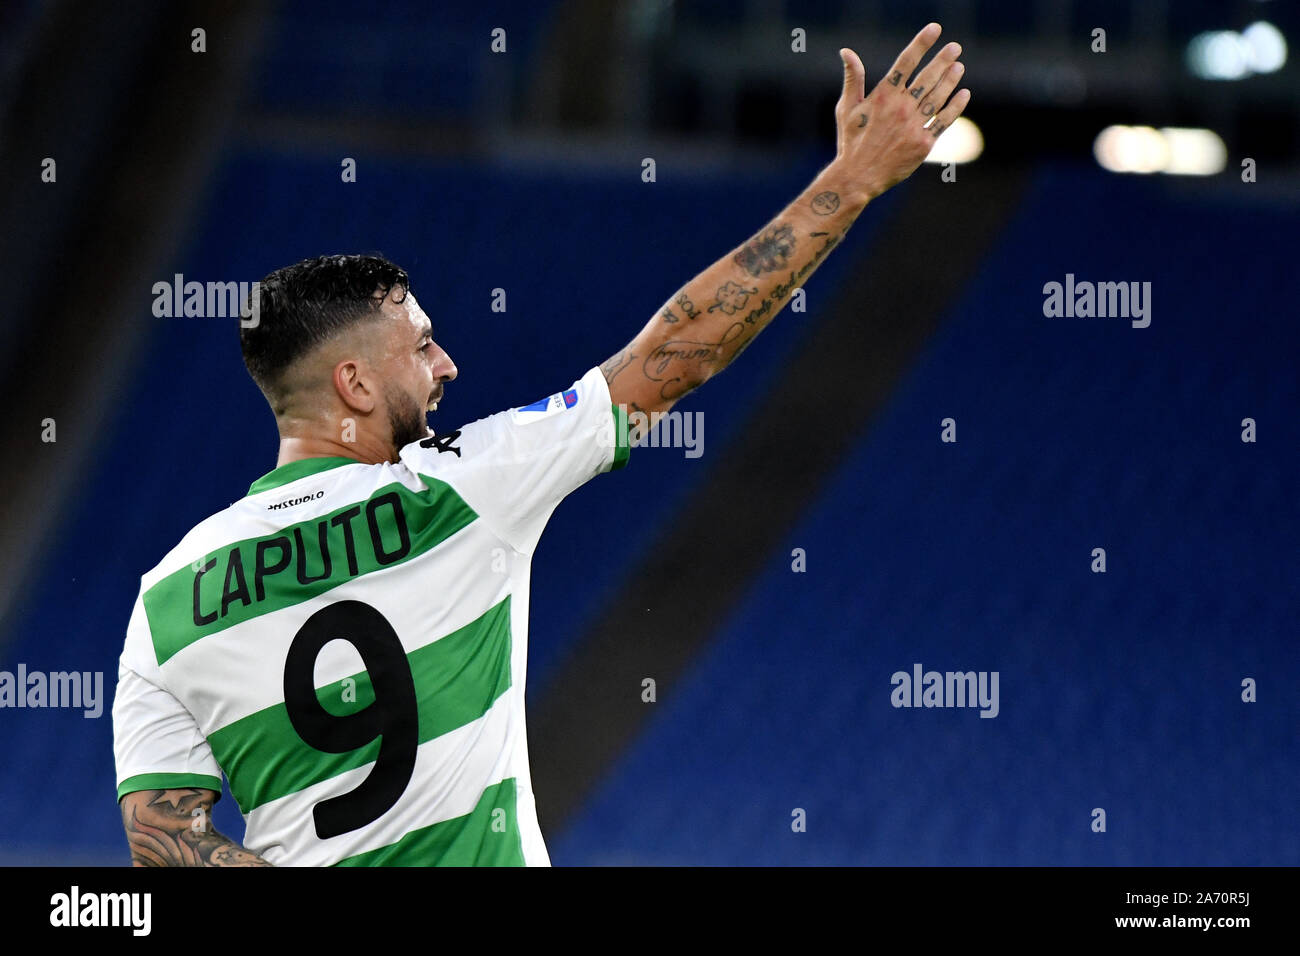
pixel 444 369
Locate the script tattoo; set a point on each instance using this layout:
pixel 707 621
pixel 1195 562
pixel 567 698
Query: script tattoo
pixel 825 203
pixel 768 252
pixel 686 305
pixel 671 364
pixel 731 297
pixel 163 829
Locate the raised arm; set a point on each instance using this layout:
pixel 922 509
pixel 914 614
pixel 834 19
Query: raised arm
pixel 164 829
pixel 881 138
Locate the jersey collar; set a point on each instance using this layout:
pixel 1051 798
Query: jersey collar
pixel 297 469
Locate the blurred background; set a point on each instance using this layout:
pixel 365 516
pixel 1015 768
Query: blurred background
pixel 826 538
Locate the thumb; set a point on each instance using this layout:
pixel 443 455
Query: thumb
pixel 854 77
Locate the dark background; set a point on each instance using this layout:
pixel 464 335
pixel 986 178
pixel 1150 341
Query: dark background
pixel 522 170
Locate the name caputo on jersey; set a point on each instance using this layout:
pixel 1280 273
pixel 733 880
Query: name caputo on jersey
pixel 329 552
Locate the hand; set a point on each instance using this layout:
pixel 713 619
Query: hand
pixel 883 137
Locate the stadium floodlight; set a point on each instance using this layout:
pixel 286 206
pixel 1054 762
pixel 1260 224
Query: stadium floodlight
pixel 1175 150
pixel 1218 55
pixel 1266 47
pixel 1229 55
pixel 1194 152
pixel 962 142
pixel 1131 149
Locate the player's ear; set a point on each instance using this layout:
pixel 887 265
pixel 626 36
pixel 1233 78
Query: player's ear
pixel 353 385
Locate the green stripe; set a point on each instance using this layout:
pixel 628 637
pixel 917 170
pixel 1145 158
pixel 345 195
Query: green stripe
pixel 298 469
pixel 456 680
pixel 228 592
pixel 168 781
pixel 622 445
pixel 486 836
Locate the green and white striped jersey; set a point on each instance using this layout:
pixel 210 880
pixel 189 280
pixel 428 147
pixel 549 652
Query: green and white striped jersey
pixel 348 645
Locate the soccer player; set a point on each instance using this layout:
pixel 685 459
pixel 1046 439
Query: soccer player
pixel 347 643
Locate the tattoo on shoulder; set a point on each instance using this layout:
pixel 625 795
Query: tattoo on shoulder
pixel 767 252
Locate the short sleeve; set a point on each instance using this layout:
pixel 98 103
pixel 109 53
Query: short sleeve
pixel 157 743
pixel 514 467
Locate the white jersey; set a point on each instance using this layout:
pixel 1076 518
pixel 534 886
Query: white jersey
pixel 348 642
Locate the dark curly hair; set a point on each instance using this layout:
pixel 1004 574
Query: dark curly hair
pixel 309 302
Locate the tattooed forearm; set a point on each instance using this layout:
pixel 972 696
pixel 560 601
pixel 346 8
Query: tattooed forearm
pixel 686 305
pixel 729 303
pixel 825 203
pixel 731 298
pixel 174 828
pixel 767 252
pixel 782 289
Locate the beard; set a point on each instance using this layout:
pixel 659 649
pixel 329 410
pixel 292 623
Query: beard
pixel 406 418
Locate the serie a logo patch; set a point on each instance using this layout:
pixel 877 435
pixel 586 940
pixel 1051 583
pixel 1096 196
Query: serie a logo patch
pixel 544 407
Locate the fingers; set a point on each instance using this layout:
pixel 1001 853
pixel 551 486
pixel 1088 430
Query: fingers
pixel 911 55
pixel 934 100
pixel 944 118
pixel 855 77
pixel 934 73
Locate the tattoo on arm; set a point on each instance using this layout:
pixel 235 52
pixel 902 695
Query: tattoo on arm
pixel 825 203
pixel 680 366
pixel 615 364
pixel 768 252
pixel 174 828
pixel 686 305
pixel 731 297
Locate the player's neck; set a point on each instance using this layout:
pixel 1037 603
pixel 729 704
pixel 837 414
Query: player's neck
pixel 365 450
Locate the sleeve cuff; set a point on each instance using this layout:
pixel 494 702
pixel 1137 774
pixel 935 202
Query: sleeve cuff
pixel 168 781
pixel 622 444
